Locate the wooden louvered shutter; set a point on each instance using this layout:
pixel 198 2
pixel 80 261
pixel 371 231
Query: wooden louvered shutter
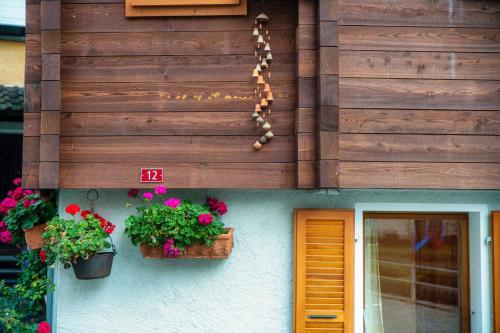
pixel 324 271
pixel 495 231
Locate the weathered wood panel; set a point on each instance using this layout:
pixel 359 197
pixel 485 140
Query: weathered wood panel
pixel 169 149
pixel 439 13
pixel 189 96
pixel 181 175
pixel 171 123
pixel 419 65
pixel 420 121
pixel 420 94
pixel 111 18
pixel 419 175
pixel 171 69
pixel 419 148
pixel 170 43
pixel 419 39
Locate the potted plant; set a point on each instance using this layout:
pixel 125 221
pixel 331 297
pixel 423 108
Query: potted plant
pixel 81 242
pixel 173 228
pixel 27 211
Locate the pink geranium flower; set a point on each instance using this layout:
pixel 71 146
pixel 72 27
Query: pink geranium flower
pixel 173 203
pixel 17 181
pixel 205 219
pixel 3 225
pixel 5 237
pixel 148 196
pixel 161 190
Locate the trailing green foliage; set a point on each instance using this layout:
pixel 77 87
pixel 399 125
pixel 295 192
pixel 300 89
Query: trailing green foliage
pixel 22 306
pixel 157 222
pixel 67 240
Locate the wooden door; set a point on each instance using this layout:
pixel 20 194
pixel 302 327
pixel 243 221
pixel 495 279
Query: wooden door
pixel 324 271
pixel 495 231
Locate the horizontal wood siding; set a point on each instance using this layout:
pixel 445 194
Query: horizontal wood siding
pixel 419 94
pixel 173 92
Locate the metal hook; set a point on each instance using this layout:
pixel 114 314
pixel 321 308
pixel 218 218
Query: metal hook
pixel 92 196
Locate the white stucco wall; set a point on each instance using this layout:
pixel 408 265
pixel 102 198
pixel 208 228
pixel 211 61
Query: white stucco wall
pixel 250 292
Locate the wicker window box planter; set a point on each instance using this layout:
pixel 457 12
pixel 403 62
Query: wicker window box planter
pixel 221 249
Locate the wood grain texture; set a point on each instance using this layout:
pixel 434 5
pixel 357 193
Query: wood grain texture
pixel 31 124
pixel 306 120
pixel 51 41
pixel 329 61
pixel 30 175
pixel 306 37
pixel 328 145
pixel 328 10
pixel 328 90
pixel 171 69
pixel 32 98
pixel 33 46
pixel 307 11
pixel 307 60
pixel 171 123
pixel 49 175
pixel 328 34
pixel 169 149
pixel 180 175
pixel 49 148
pixel 202 10
pixel 51 95
pixel 170 43
pixel 419 39
pixel 51 67
pixel 307 174
pixel 32 19
pixel 50 122
pixel 420 121
pixel 419 148
pixel 328 176
pixel 439 13
pixel 328 119
pixel 189 96
pixel 419 65
pixel 32 69
pixel 306 147
pixel 31 149
pixel 107 17
pixel 419 175
pixel 420 94
pixel 50 15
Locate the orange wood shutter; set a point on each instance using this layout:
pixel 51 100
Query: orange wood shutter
pixel 135 8
pixel 495 231
pixel 324 271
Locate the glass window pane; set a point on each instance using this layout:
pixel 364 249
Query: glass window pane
pixel 413 273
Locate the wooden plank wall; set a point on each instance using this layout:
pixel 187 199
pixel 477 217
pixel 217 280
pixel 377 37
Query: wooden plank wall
pixel 175 93
pixel 306 114
pixel 419 94
pixel 32 96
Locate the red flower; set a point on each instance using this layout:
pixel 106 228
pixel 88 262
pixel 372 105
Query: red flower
pixel 43 255
pixel 17 194
pixel 133 193
pixel 216 205
pixel 72 209
pixel 43 327
pixel 27 203
pixel 84 213
pixel 17 181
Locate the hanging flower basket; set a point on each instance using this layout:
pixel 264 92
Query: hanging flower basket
pixel 221 249
pixel 33 236
pixel 97 266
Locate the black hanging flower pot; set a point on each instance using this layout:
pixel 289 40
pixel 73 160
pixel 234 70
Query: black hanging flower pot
pixel 97 266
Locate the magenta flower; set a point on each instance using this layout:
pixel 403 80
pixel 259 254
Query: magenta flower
pixel 9 194
pixel 160 190
pixel 169 249
pixel 148 196
pixel 205 219
pixel 27 192
pixel 3 225
pixel 173 203
pixel 17 181
pixel 5 237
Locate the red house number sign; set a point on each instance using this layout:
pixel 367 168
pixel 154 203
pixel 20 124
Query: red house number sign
pixel 151 175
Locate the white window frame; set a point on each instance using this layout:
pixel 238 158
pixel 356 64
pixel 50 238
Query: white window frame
pixel 479 257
